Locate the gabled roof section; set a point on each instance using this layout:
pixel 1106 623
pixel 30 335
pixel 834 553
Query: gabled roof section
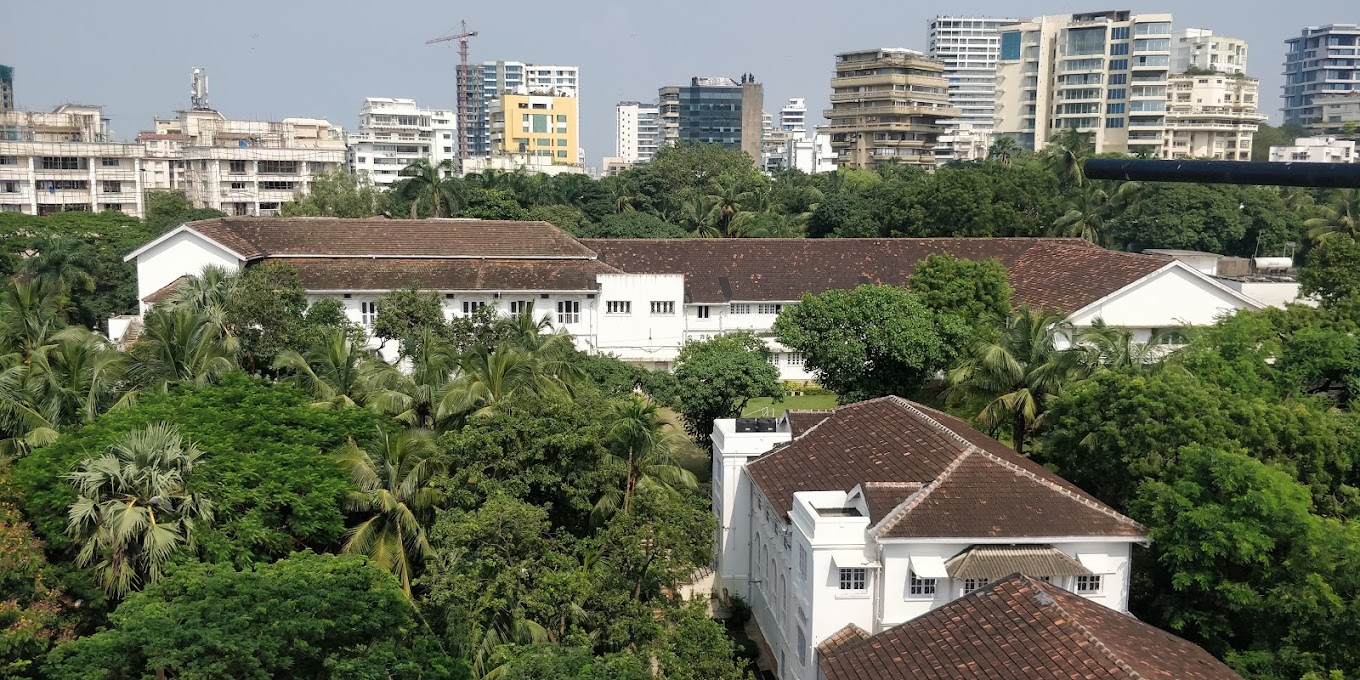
pixel 257 237
pixel 970 485
pixel 1022 628
pixel 1062 275
pixel 361 274
pixel 848 635
pixel 183 228
pixel 164 292
pixel 802 421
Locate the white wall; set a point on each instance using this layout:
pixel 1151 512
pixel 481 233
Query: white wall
pixel 1272 293
pixel 1172 297
pixel 183 254
pixel 639 335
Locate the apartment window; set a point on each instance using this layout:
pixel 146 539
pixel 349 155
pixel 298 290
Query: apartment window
pixel 63 163
pixel 63 185
pixel 971 584
pixel 1088 584
pixel 1118 49
pixel 663 307
pixel 113 187
pixel 1114 123
pixel 9 187
pixel 562 154
pixel 276 186
pixel 740 308
pixel 278 167
pixel 802 647
pixel 316 168
pixel 11 208
pixel 113 206
pixel 1116 93
pixel 1119 78
pixel 920 587
pixel 470 307
pixel 854 579
pixel 701 311
pixel 368 313
pixel 1119 33
pixel 239 167
pixel 518 307
pixel 769 309
pixel 1114 108
pixel 1119 64
pixel 9 160
pixel 110 162
pixel 618 307
pixel 802 562
pixel 795 358
pixel 561 142
pixel 568 311
pixel 238 185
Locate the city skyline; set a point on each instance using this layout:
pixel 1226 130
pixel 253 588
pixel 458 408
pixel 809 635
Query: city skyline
pixel 265 67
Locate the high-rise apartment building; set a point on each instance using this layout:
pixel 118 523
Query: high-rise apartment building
pixel 67 159
pixel 636 131
pixel 1102 73
pixel 542 127
pixel 6 88
pixel 493 78
pixel 1323 60
pixel 393 133
pixel 714 110
pixel 1211 115
pixel 793 116
pixel 887 105
pixel 1199 49
pixel 1340 114
pixel 968 47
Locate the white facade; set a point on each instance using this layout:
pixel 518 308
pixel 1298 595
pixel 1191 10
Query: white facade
pixel 1201 49
pixel 393 133
pixel 963 142
pixel 1315 150
pixel 1103 73
pixel 791 571
pixel 66 160
pixel 1211 116
pixel 636 132
pixel 1340 114
pixel 793 116
pixel 969 47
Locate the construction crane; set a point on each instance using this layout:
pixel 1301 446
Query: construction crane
pixel 462 77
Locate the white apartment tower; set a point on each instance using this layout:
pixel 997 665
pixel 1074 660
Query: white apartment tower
pixel 1211 115
pixel 1103 73
pixel 636 131
pixel 66 160
pixel 1201 49
pixel 968 47
pixel 793 117
pixel 393 133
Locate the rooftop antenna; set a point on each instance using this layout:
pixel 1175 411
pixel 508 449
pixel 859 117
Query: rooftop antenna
pixel 198 90
pixel 464 96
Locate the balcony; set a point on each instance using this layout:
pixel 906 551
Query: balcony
pixel 891 109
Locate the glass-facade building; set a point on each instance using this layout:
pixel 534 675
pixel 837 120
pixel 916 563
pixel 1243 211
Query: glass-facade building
pixel 710 112
pixel 1323 60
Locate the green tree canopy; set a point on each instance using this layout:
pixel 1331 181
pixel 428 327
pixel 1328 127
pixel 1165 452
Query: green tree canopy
pixel 632 224
pixel 337 194
pixel 1332 271
pixel 973 289
pixel 716 378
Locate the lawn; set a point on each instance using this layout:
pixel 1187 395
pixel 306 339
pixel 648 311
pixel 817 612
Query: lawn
pixel 766 407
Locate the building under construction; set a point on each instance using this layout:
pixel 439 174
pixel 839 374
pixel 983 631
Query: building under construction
pixel 6 88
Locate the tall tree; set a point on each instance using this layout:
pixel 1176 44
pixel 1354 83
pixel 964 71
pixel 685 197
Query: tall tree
pixel 76 377
pixel 1339 215
pixel 335 372
pixel 394 489
pixel 1067 154
pixel 427 183
pixel 716 378
pixel 1332 271
pixel 973 289
pixel 640 453
pixel 135 507
pixel 1016 372
pixel 179 346
pixel 337 194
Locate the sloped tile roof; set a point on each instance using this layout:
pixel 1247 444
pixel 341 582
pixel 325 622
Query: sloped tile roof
pixel 447 274
pixel 800 421
pixel 848 635
pixel 164 292
pixel 1020 628
pixel 990 561
pixel 255 237
pixel 884 497
pixel 973 485
pixel 1062 275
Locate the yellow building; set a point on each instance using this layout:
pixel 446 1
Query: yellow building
pixel 536 125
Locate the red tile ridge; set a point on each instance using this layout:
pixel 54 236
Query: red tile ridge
pixel 1081 627
pixel 905 507
pixel 1094 505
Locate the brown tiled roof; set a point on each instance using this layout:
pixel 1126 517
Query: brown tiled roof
pixel 255 237
pixel 165 291
pixel 344 274
pixel 1020 628
pixel 973 485
pixel 990 561
pixel 800 421
pixel 1058 274
pixel 884 497
pixel 848 635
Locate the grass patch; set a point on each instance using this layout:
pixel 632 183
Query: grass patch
pixel 767 407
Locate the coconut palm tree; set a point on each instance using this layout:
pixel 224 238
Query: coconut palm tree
pixel 22 427
pixel 134 508
pixel 698 215
pixel 1106 347
pixel 394 489
pixel 1340 215
pixel 76 377
pixel 427 181
pixel 728 197
pixel 64 264
pixel 488 377
pixel 640 453
pixel 412 397
pixel 30 313
pixel 1068 153
pixel 179 346
pixel 335 372
pixel 208 293
pixel 1017 372
pixel 1003 150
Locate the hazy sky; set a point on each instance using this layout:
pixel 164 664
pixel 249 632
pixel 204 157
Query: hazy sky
pixel 271 59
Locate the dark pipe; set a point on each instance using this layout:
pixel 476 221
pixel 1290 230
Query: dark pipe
pixel 1330 175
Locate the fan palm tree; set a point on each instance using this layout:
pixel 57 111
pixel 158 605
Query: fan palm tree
pixel 64 264
pixel 640 453
pixel 1017 372
pixel 394 488
pixel 1003 150
pixel 179 346
pixel 1340 215
pixel 76 377
pixel 1107 347
pixel 30 313
pixel 134 508
pixel 335 372
pixel 427 181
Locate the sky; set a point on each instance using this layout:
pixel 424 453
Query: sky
pixel 312 58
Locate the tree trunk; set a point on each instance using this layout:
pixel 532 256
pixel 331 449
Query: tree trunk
pixel 1018 432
